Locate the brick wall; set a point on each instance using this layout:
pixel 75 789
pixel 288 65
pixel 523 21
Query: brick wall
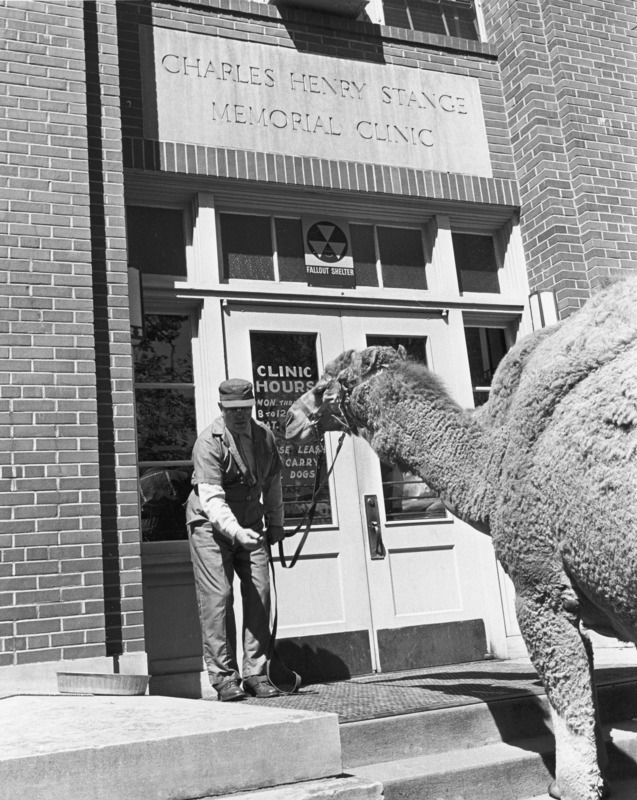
pixel 568 71
pixel 64 337
pixel 316 33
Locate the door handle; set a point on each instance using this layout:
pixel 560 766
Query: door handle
pixel 374 534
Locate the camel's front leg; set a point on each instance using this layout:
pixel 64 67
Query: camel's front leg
pixel 563 658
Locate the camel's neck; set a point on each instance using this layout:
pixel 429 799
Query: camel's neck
pixel 428 434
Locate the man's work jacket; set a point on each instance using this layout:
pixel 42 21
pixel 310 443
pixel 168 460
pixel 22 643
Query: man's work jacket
pixel 218 461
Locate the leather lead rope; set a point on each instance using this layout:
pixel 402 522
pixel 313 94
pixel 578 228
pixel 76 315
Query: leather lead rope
pixel 308 517
pixel 284 679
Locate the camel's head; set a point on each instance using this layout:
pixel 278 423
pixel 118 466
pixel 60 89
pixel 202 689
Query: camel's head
pixel 318 410
pixel 368 362
pixel 325 407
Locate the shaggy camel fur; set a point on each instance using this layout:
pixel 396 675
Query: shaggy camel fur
pixel 548 467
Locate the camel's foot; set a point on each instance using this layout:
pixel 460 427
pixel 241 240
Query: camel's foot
pixel 554 790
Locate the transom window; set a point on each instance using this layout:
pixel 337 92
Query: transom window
pixel 445 17
pixel 155 239
pixel 271 249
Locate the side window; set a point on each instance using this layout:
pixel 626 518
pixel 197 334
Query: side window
pixel 485 348
pixel 445 17
pixel 166 424
pixel 476 263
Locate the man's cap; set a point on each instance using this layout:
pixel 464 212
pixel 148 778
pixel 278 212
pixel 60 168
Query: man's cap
pixel 236 393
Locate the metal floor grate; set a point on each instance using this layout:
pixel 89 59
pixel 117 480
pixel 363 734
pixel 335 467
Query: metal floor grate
pixel 390 694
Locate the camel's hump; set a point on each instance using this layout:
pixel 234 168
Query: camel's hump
pixel 542 368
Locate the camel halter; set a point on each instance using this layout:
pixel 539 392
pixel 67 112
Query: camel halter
pixel 314 418
pixel 340 417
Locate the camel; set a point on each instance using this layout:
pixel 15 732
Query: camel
pixel 547 467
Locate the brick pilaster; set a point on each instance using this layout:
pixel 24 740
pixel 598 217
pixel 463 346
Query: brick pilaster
pixel 567 69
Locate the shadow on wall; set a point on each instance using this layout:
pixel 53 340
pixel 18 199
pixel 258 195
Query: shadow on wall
pixel 368 47
pixel 313 664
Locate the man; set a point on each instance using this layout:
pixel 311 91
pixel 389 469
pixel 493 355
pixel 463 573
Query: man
pixel 237 480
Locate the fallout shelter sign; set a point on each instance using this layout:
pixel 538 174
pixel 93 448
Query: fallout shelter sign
pixel 328 257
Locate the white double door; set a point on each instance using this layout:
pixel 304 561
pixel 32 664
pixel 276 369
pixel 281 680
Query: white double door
pixel 385 581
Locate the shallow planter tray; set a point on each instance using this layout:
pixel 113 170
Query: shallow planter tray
pixel 101 683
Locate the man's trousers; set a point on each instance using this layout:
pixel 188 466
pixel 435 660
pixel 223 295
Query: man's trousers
pixel 214 562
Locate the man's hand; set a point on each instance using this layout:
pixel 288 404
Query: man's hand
pixel 275 533
pixel 249 539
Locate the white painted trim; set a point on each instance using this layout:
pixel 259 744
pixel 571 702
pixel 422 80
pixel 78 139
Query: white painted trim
pixel 209 361
pixel 482 30
pixel 442 271
pixel 203 264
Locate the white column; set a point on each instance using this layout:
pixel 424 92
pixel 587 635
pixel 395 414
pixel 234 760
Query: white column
pixel 209 360
pixel 202 252
pixel 443 281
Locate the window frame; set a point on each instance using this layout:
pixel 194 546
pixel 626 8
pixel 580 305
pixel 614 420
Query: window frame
pixel 168 307
pixel 373 223
pixel 477 9
pixel 499 260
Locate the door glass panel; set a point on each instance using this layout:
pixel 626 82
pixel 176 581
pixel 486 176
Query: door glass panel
pixel 416 346
pixel 284 366
pixel 485 348
pixel 406 495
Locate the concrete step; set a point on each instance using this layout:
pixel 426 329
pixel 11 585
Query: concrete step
pixel 467 726
pixel 519 769
pixel 343 788
pixel 111 748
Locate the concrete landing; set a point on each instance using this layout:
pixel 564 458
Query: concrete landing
pixel 142 748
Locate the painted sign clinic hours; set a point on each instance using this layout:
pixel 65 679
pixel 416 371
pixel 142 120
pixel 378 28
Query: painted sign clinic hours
pixel 279 379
